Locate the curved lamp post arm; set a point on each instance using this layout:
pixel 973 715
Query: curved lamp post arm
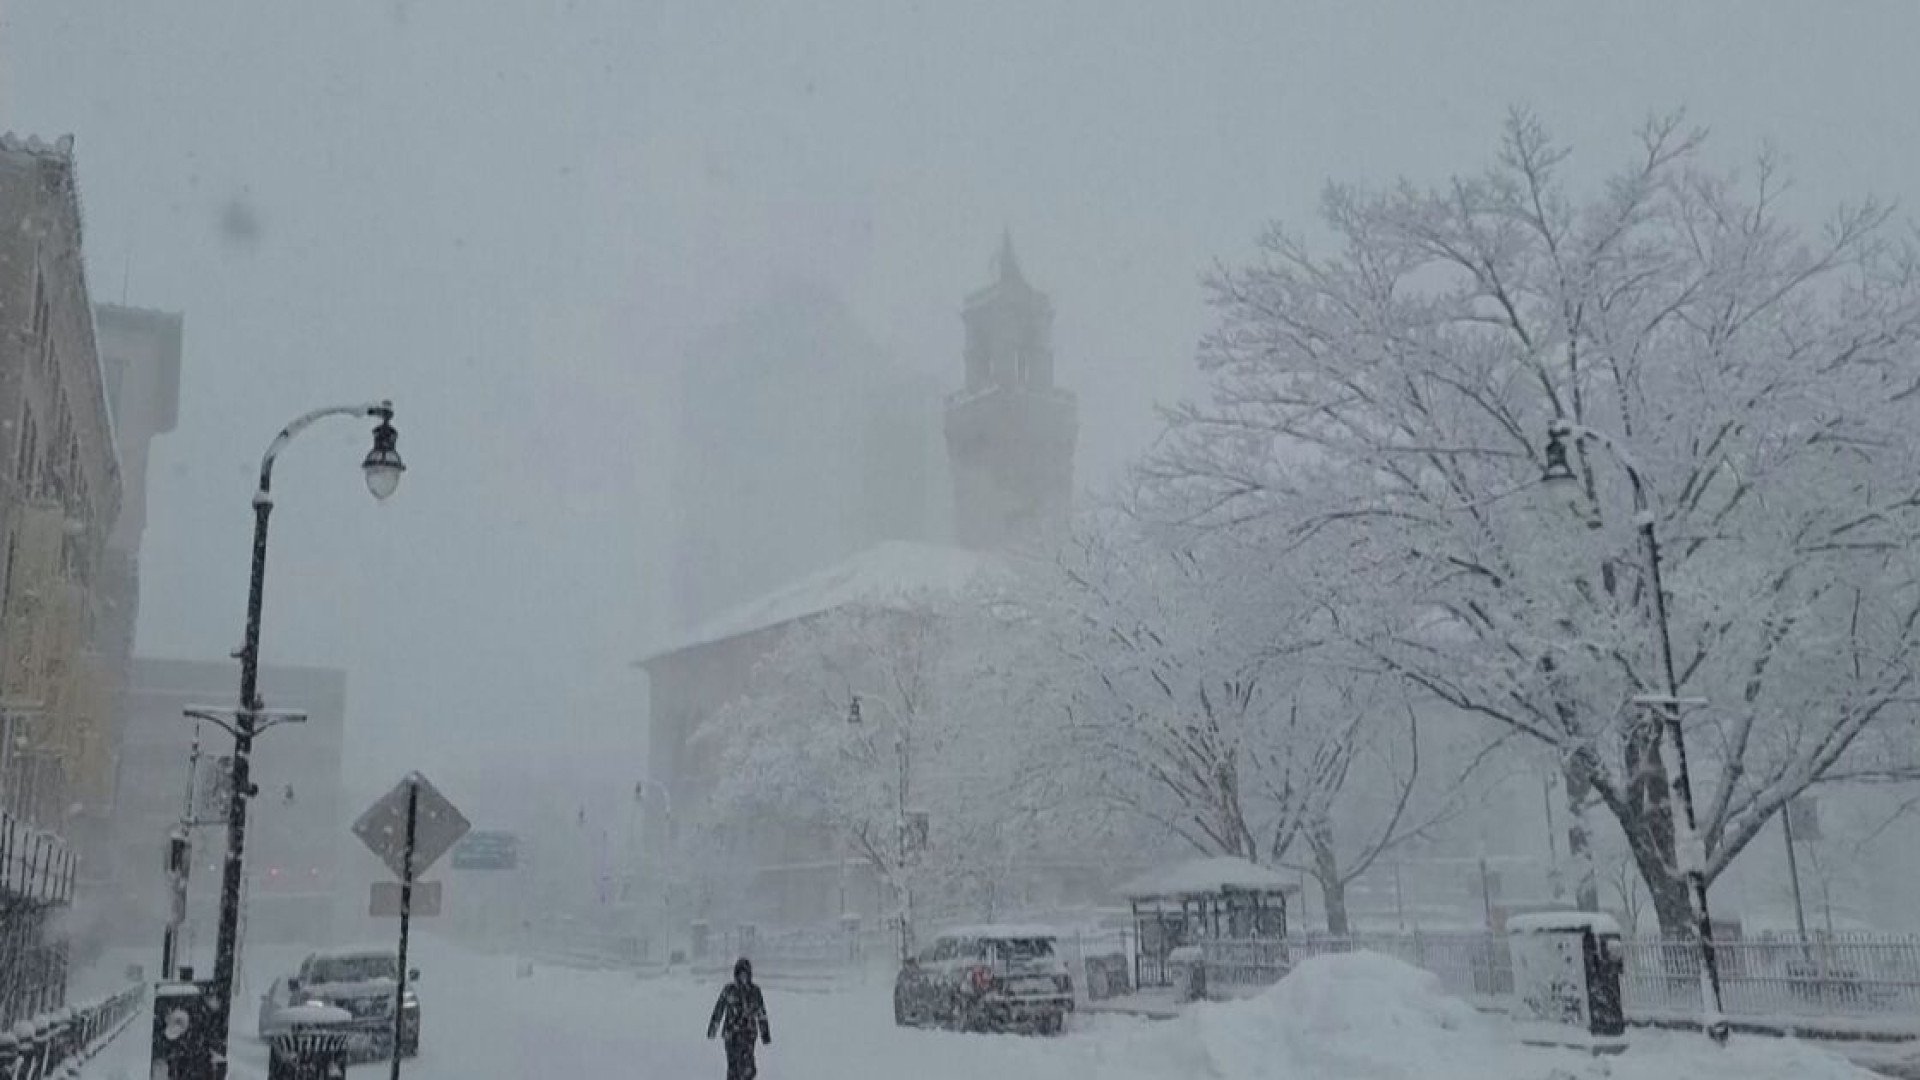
pixel 383 410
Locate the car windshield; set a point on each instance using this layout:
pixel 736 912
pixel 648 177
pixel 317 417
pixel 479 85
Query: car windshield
pixel 340 969
pixel 1021 951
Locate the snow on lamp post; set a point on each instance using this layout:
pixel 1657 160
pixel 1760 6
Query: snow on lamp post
pixel 1689 849
pixel 382 467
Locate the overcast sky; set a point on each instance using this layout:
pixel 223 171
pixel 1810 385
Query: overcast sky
pixel 510 216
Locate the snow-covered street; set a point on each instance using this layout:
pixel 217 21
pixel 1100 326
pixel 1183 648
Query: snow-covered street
pixel 1351 1018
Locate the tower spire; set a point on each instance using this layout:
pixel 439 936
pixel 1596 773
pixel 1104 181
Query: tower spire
pixel 1010 433
pixel 1005 266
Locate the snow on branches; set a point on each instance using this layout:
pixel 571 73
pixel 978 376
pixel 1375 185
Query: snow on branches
pixel 1383 404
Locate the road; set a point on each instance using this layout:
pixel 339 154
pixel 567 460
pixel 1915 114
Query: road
pixel 1357 1017
pixel 482 1021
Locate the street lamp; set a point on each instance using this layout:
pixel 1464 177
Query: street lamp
pixel 382 467
pixel 1689 849
pixel 902 760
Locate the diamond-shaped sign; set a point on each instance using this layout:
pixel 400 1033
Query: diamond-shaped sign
pixel 437 826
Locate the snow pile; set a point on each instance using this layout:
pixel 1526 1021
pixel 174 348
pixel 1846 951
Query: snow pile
pixel 1370 1017
pixel 1353 1015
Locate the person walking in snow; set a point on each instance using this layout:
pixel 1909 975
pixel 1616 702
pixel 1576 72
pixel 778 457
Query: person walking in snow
pixel 741 1014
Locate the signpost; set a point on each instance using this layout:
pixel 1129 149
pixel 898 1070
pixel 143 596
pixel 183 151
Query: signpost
pixel 409 828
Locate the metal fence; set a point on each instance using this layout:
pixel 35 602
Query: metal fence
pixel 1467 963
pixel 1845 977
pixel 36 884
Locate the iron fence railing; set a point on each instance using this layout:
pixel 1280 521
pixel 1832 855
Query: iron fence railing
pixel 36 884
pixel 57 1042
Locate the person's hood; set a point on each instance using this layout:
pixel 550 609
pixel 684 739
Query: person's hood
pixel 743 966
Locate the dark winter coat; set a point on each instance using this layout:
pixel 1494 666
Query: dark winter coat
pixel 741 1012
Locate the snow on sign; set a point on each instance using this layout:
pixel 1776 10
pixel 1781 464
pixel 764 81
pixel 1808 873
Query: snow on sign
pixel 437 826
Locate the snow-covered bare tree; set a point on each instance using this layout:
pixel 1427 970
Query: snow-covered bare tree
pixel 867 720
pixel 1196 694
pixel 1383 400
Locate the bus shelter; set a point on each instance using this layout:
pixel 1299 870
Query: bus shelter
pixel 1210 899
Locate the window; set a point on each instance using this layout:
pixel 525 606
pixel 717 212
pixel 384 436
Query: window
pixel 25 464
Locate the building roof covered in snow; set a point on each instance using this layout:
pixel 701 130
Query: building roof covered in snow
pixel 999 932
pixel 886 575
pixel 1206 877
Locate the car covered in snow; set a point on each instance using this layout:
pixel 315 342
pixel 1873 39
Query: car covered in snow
pixel 986 978
pixel 360 982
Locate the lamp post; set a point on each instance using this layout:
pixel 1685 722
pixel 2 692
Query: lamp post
pixel 1689 849
pixel 382 467
pixel 902 759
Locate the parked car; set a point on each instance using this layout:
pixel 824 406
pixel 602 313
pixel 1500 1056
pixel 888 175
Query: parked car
pixel 986 978
pixel 359 981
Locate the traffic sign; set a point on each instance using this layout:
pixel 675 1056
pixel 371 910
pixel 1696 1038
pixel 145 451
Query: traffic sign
pixel 437 826
pixel 384 901
pixel 487 851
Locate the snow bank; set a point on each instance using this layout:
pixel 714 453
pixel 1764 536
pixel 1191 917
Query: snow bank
pixel 1353 1015
pixel 1370 1017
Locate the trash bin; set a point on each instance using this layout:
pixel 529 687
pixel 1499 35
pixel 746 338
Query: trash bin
pixel 1567 967
pixel 183 1023
pixel 316 1045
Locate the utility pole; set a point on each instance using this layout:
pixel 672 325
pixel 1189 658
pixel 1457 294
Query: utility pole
pixel 180 867
pixel 406 919
pixel 1793 871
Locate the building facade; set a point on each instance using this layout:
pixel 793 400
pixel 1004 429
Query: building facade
pixel 297 826
pixel 60 492
pixel 63 602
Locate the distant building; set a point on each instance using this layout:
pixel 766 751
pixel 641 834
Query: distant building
pixel 140 363
pixel 1009 440
pixel 296 826
pixel 1010 430
pixel 140 359
pixel 797 444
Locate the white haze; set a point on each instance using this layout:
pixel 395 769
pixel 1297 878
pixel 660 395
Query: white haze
pixel 513 218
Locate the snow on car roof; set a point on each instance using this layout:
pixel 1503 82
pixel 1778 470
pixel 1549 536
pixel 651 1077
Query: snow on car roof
pixel 1210 875
pixel 1000 932
pixel 345 953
